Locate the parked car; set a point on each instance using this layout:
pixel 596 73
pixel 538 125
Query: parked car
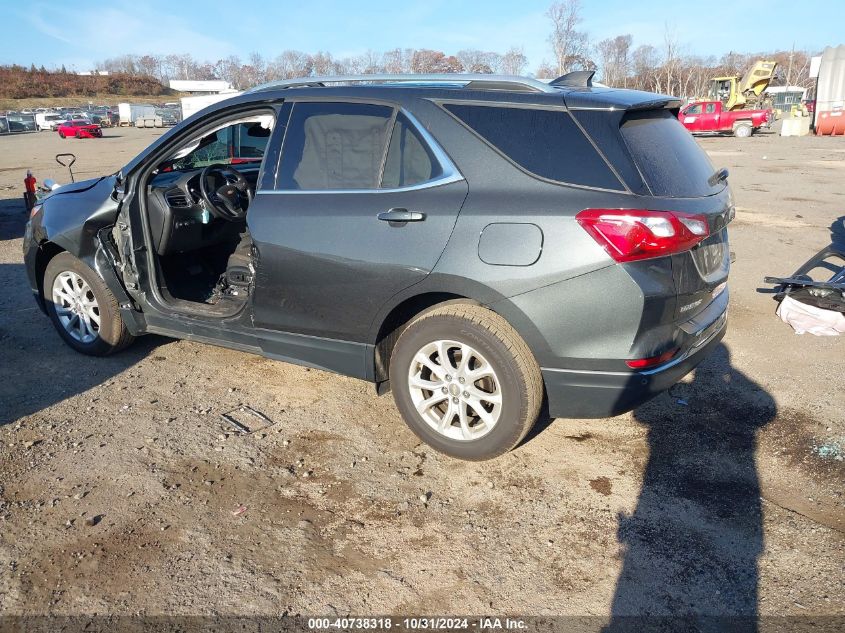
pixel 471 243
pixel 20 122
pixel 168 116
pixel 711 116
pixel 103 119
pixel 80 128
pixel 48 121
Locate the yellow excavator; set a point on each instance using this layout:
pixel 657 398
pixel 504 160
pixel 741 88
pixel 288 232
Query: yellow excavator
pixel 746 92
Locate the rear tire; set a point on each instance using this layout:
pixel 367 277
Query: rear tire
pixel 743 130
pixel 73 294
pixel 465 382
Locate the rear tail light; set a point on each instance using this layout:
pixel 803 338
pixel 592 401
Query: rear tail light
pixel 633 234
pixel 645 363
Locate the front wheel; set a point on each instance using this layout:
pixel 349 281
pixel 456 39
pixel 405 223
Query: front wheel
pixel 465 382
pixel 61 134
pixel 82 308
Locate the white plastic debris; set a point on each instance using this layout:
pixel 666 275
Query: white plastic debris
pixel 809 319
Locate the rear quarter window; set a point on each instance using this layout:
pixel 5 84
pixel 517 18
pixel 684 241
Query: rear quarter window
pixel 546 143
pixel 668 157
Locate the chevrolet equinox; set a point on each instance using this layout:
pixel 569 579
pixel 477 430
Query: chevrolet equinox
pixel 482 246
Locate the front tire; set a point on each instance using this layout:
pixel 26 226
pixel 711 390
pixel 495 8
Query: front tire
pixel 61 134
pixel 465 382
pixel 82 308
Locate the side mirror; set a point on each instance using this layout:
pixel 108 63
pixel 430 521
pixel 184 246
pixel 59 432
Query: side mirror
pixel 50 184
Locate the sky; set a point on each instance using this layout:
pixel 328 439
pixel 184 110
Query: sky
pixel 77 36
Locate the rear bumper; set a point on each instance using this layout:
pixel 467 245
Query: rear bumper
pixel 576 393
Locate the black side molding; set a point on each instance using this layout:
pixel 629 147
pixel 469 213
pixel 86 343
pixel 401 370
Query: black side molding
pixel 575 79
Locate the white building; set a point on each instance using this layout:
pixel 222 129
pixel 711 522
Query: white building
pixel 203 87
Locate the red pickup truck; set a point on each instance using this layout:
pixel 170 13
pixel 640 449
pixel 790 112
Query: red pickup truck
pixel 710 116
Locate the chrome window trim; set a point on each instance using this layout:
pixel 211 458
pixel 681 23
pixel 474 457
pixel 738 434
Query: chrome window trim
pixel 450 171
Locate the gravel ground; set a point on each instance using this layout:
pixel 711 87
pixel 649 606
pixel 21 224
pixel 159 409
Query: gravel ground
pixel 119 481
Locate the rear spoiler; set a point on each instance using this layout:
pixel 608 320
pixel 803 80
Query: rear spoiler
pixel 617 99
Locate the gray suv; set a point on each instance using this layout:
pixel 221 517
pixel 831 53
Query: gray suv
pixel 485 247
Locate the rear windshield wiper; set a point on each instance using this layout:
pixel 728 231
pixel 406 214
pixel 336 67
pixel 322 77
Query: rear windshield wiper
pixel 720 175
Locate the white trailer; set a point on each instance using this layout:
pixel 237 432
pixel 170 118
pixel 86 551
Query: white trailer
pixel 132 113
pixel 192 105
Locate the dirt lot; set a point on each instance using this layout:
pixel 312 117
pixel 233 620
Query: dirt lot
pixel 724 496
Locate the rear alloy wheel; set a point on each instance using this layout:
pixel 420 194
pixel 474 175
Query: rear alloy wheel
pixel 743 130
pixel 455 390
pixel 465 382
pixel 82 309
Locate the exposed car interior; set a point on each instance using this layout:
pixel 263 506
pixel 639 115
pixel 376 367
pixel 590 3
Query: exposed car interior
pixel 197 201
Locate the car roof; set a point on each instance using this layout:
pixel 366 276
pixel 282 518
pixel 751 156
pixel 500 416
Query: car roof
pixel 576 89
pixel 572 91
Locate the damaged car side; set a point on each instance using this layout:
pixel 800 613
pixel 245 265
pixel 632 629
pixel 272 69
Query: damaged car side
pixel 478 245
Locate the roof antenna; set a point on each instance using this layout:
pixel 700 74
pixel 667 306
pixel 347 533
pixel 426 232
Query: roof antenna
pixel 575 79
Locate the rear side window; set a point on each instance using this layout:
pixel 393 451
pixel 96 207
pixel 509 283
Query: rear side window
pixel 669 159
pixel 546 143
pixel 334 146
pixel 409 161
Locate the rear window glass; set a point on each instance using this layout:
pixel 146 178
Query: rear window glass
pixel 409 161
pixel 547 143
pixel 670 160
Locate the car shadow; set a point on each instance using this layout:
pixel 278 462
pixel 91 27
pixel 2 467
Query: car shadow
pixel 692 543
pixel 38 369
pixel 13 218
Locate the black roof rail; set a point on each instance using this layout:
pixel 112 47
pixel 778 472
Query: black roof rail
pixel 575 79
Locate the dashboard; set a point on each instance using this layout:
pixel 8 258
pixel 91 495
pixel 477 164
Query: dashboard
pixel 179 221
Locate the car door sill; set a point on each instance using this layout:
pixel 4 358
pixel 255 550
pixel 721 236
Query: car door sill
pixel 348 358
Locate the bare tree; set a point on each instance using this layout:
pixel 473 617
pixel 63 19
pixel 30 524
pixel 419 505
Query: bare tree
pixel 396 61
pixel 646 67
pixel 476 61
pixel 149 65
pixel 429 61
pixel 644 60
pixel 614 59
pixel 570 45
pixel 514 62
pixel 671 61
pixel 545 71
pixel 371 63
pixel 229 69
pixel 290 65
pixel 323 64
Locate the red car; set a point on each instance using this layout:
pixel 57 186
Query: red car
pixel 709 116
pixel 80 129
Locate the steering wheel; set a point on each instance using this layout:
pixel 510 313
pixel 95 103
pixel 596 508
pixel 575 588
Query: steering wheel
pixel 232 198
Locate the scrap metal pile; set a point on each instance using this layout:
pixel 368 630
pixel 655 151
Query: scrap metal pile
pixel 812 305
